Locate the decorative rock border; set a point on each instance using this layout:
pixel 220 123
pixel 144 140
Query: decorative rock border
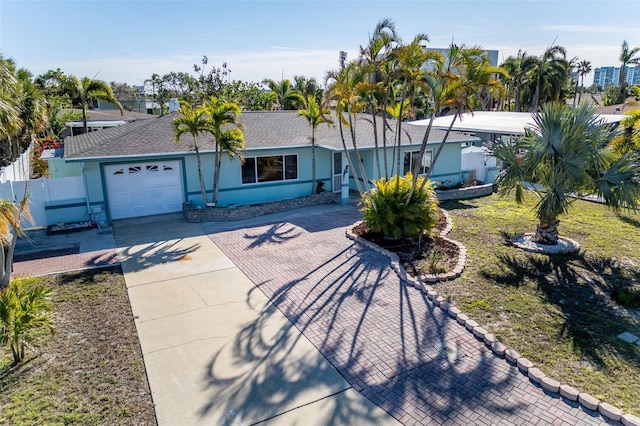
pixel 564 246
pixel 526 366
pixel 194 214
pixel 418 282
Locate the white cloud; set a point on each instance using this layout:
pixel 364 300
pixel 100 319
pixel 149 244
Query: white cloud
pixel 247 66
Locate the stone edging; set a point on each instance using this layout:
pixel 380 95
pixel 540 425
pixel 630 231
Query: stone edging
pixel 571 247
pixel 417 282
pixel 490 340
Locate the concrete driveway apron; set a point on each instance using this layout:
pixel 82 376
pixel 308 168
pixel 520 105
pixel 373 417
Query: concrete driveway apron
pixel 216 349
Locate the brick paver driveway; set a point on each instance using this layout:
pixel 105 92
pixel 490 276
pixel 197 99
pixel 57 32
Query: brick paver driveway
pixel 385 338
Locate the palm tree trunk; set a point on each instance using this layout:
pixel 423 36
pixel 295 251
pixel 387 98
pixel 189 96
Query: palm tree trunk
pixel 216 174
pixel 581 89
pixel 313 160
pixel 6 257
pixel 547 232
pixel 536 94
pixel 202 187
pixel 375 139
pixel 84 119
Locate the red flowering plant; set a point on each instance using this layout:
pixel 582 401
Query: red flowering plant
pixel 40 166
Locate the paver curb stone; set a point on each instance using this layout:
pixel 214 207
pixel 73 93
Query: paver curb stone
pixel 462 318
pixel 498 348
pixel 569 392
pixel 550 384
pixel 588 401
pixel 453 312
pixel 490 339
pixel 609 411
pixel 470 325
pixel 630 420
pixel 524 364
pixel 479 332
pixel 536 375
pixel 512 355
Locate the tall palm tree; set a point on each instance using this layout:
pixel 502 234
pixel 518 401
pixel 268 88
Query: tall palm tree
pixel 316 114
pixel 192 120
pixel 307 87
pixel 375 58
pixel 627 57
pixel 346 87
pixel 448 88
pixel 584 68
pixel 287 97
pixel 519 70
pixel 563 158
pixel 551 73
pixel 224 124
pixel 83 90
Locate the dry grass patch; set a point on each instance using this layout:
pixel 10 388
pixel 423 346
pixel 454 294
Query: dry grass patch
pixel 91 371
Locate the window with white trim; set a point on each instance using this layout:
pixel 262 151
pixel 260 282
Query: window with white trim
pixel 270 168
pixel 410 159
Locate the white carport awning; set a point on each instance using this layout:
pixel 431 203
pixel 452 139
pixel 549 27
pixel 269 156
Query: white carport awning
pixel 499 122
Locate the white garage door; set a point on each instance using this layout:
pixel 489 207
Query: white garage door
pixel 142 189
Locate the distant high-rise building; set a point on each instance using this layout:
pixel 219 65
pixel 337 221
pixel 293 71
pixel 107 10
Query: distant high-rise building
pixel 604 76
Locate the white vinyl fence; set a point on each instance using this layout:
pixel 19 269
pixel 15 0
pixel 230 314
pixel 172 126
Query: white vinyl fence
pixel 42 191
pixel 19 169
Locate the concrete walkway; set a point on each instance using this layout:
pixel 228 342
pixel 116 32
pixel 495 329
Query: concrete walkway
pixel 216 350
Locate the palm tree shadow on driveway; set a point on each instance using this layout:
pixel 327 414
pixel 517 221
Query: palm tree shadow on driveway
pixel 384 338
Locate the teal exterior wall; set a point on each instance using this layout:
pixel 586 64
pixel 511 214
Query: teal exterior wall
pixel 233 191
pixel 446 170
pixel 59 168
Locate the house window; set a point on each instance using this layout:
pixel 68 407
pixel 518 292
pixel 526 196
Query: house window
pixel 410 159
pixel 152 168
pixel 134 169
pixel 269 169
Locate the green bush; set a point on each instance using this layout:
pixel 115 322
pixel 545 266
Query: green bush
pixel 386 210
pixel 25 309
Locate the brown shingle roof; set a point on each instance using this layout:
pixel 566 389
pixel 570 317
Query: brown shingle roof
pixel 263 129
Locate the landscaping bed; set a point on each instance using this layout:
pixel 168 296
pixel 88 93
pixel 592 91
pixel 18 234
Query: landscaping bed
pixel 91 370
pixel 563 312
pixel 419 256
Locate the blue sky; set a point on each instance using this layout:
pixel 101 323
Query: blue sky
pixel 129 41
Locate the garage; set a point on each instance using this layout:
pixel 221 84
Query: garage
pixel 143 189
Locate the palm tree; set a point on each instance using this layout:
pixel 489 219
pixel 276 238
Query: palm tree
pixel 192 120
pixel 224 124
pixel 563 159
pixel 448 88
pixel 287 97
pixel 375 58
pixel 519 70
pixel 629 138
pixel 9 111
pixel 83 90
pixel 25 309
pixel 584 68
pixel 307 87
pixel 316 115
pixel 551 74
pixel 627 57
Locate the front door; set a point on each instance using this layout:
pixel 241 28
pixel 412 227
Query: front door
pixel 337 172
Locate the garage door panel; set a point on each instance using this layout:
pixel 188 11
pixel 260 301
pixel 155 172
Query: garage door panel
pixel 143 189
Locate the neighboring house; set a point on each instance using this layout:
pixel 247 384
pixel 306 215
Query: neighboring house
pixel 137 169
pixel 100 119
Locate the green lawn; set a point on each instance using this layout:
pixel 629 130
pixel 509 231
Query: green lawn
pixel 90 371
pixel 557 311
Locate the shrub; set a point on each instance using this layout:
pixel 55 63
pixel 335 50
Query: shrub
pixel 24 311
pixel 386 210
